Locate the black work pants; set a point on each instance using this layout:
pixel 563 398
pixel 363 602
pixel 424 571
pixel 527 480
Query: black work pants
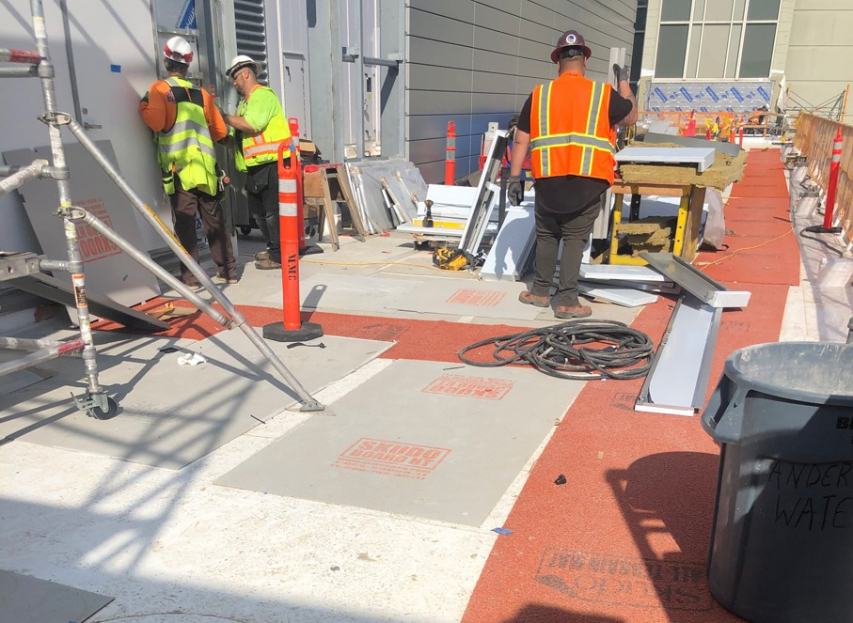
pixel 186 204
pixel 573 229
pixel 262 193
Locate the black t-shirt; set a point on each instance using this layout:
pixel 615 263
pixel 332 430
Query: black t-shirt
pixel 570 193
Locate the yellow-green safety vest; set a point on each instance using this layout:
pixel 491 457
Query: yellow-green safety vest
pixel 263 147
pixel 186 148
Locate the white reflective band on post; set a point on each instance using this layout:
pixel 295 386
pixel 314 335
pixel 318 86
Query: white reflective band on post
pixel 287 209
pixel 287 185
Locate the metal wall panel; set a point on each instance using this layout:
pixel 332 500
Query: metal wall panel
pixel 503 46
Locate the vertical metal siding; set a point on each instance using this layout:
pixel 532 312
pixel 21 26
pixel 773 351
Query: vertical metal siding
pixel 476 61
pixel 250 24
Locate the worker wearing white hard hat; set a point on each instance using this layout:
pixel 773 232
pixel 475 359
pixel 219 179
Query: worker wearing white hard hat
pixel 187 124
pixel 260 127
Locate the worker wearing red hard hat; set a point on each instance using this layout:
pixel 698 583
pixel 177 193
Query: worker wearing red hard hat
pixel 187 124
pixel 569 126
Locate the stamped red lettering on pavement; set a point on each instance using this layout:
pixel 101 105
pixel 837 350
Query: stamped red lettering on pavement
pixel 471 386
pixel 625 581
pixel 393 458
pixel 477 298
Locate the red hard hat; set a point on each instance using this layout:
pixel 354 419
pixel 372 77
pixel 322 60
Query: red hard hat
pixel 570 39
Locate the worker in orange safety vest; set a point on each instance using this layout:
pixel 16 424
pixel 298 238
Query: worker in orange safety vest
pixel 569 126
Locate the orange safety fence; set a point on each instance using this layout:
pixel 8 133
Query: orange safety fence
pixel 814 138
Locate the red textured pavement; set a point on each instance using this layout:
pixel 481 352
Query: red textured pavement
pixel 626 538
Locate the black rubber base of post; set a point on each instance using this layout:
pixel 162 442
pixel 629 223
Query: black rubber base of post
pixel 820 229
pixel 312 250
pixel 277 333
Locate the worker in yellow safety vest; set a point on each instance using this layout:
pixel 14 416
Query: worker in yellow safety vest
pixel 569 126
pixel 187 124
pixel 260 127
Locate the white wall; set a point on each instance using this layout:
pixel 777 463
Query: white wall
pixel 104 34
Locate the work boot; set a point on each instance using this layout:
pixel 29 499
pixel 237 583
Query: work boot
pixel 528 298
pixel 195 287
pixel 228 280
pixel 267 264
pixel 567 312
pixel 260 256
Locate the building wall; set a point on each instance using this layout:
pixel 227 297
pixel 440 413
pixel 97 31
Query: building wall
pixel 812 39
pixel 819 62
pixel 473 62
pixel 114 53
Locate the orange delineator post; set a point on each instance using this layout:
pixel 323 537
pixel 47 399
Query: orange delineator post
pixel 740 133
pixel 450 157
pixel 292 329
pixel 834 168
pixel 293 122
pixel 288 219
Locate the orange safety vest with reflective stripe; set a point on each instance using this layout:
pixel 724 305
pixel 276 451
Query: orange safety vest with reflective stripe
pixel 570 131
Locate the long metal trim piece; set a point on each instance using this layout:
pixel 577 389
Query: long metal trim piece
pixel 696 282
pixel 682 343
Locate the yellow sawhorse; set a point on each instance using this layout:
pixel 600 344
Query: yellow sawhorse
pixel 684 242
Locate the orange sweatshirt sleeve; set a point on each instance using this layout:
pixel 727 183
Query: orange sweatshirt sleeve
pixel 218 129
pixel 155 109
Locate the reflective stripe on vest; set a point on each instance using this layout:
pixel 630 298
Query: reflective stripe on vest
pixel 263 147
pixel 187 148
pixel 567 139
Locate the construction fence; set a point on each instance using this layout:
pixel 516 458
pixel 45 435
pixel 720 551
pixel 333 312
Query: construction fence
pixel 814 139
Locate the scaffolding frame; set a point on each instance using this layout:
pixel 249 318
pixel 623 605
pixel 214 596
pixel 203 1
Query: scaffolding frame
pixel 95 401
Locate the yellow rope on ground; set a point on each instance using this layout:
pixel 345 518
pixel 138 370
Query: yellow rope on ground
pixel 373 264
pixel 732 254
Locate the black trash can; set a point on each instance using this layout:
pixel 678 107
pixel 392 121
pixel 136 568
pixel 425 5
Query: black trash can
pixel 782 538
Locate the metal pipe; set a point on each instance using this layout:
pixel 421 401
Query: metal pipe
pixel 143 259
pixel 51 265
pixel 40 356
pixel 19 72
pixel 308 402
pixel 27 57
pixel 19 343
pixel 22 176
pixel 75 258
pixel 359 63
pixel 69 52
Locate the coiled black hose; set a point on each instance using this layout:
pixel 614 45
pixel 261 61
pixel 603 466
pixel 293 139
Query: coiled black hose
pixel 558 350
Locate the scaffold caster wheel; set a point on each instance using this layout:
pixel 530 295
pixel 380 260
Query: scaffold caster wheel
pixel 99 414
pixel 245 230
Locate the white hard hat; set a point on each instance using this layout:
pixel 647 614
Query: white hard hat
pixel 240 61
pixel 178 49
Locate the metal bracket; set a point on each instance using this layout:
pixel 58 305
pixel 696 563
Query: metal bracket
pixel 55 118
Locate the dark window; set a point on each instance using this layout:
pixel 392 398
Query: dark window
pixel 757 50
pixel 672 50
pixel 763 9
pixel 676 10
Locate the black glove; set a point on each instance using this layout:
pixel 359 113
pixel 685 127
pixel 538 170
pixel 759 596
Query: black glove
pixel 515 191
pixel 621 73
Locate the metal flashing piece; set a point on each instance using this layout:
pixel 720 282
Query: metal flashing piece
pixel 678 380
pixel 702 157
pixel 627 297
pixel 651 137
pixel 481 211
pixel 696 282
pixel 512 249
pixel 607 272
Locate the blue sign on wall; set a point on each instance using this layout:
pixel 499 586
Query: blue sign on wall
pixel 708 96
pixel 187 17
